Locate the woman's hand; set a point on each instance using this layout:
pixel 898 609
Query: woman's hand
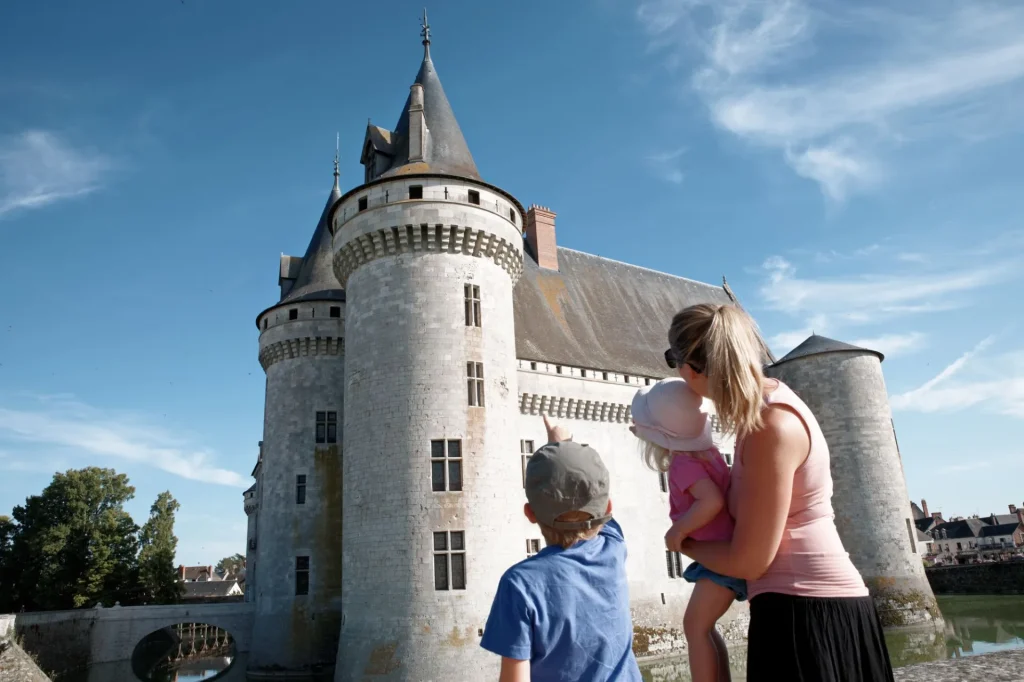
pixel 556 434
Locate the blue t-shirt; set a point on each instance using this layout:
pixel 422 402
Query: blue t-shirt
pixel 567 611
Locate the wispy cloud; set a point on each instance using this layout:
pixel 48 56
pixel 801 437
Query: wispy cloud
pixel 81 430
pixel 893 344
pixel 994 383
pixel 665 165
pixel 836 87
pixel 38 168
pixel 961 468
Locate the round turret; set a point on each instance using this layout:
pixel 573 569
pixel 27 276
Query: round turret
pixel 844 387
pixel 296 545
pixel 428 263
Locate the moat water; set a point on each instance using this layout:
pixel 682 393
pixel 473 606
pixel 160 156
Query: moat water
pixel 974 625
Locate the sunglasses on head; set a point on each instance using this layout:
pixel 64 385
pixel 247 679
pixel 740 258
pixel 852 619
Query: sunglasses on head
pixel 670 359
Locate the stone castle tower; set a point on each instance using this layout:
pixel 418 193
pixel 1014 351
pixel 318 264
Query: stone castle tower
pixel 430 323
pixel 844 387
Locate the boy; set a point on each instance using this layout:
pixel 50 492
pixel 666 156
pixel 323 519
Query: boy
pixel 563 614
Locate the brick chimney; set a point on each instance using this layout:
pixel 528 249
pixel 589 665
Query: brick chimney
pixel 1013 509
pixel 1020 515
pixel 924 508
pixel 540 233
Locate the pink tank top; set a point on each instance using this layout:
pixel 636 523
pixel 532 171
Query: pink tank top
pixel 811 560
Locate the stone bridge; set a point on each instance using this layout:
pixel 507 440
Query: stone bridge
pixel 67 639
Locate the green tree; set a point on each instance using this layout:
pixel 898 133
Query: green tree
pixel 74 544
pixel 7 573
pixel 231 567
pixel 157 575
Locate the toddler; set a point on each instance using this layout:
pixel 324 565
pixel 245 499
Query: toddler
pixel 677 438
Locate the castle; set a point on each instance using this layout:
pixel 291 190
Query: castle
pixel 430 323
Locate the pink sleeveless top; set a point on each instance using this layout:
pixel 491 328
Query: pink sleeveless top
pixel 811 560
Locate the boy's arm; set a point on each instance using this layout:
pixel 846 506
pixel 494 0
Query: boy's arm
pixel 513 670
pixel 707 502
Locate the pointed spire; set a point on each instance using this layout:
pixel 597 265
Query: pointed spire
pixel 337 148
pixel 425 34
pixel 316 278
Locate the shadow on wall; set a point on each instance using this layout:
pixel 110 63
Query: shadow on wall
pixel 185 649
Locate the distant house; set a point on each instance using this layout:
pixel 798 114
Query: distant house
pixel 976 538
pixel 197 574
pixel 925 521
pixel 212 590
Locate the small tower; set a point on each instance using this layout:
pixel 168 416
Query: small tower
pixel 428 254
pixel 844 387
pixel 251 499
pixel 298 539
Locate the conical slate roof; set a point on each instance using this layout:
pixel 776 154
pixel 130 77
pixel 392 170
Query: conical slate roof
pixel 316 278
pixel 816 345
pixel 446 150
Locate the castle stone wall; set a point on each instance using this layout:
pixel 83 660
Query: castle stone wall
pixel 846 392
pixel 406 385
pixel 305 374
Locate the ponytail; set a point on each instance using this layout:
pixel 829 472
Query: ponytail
pixel 722 343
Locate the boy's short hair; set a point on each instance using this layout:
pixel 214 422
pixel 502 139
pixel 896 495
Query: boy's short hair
pixel 567 486
pixel 567 538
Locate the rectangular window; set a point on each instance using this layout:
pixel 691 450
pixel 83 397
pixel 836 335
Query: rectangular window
pixel 558 369
pixel 533 365
pixel 326 427
pixel 532 547
pixel 525 450
pixel 663 481
pixel 583 373
pixel 474 197
pixel 449 560
pixel 913 536
pixel 604 375
pixel 335 311
pixel 674 563
pixel 301 575
pixel 959 546
pixel 512 215
pixel 300 489
pixel 475 383
pixel 647 381
pixel 626 378
pixel 446 466
pixel 293 314
pixel 264 323
pixel 416 192
pixel 472 305
pixel 363 203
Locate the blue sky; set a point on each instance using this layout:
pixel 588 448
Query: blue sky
pixel 853 170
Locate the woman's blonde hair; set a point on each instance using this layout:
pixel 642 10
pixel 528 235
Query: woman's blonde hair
pixel 722 342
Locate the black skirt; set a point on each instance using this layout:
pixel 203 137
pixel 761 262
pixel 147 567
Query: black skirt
pixel 807 639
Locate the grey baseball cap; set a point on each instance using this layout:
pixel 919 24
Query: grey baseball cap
pixel 567 476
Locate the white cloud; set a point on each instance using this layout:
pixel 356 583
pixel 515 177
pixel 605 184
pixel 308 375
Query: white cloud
pixel 837 87
pixel 872 296
pixel 893 344
pixel 959 468
pixel 83 430
pixel 38 168
pixel 665 165
pixel 836 167
pixel 994 383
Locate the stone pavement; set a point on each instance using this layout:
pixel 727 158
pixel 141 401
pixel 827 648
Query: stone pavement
pixel 1005 666
pixel 17 666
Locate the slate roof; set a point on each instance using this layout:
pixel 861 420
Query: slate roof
pixel 1001 529
pixel 917 512
pixel 197 573
pixel 213 588
pixel 316 280
pixel 997 519
pixel 601 314
pixel 925 524
pixel 955 530
pixel 816 345
pixel 446 151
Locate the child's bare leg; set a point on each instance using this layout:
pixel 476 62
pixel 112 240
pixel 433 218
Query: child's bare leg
pixel 708 603
pixel 724 675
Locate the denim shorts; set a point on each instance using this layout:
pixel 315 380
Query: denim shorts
pixel 695 572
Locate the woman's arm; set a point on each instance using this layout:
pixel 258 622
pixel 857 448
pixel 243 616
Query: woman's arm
pixel 770 459
pixel 707 502
pixel 513 670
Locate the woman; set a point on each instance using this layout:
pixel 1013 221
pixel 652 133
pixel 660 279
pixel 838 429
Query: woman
pixel 810 614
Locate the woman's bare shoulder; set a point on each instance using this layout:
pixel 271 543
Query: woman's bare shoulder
pixel 783 434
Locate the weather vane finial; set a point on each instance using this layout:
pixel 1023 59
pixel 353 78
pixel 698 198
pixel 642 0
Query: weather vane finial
pixel 425 28
pixel 337 149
